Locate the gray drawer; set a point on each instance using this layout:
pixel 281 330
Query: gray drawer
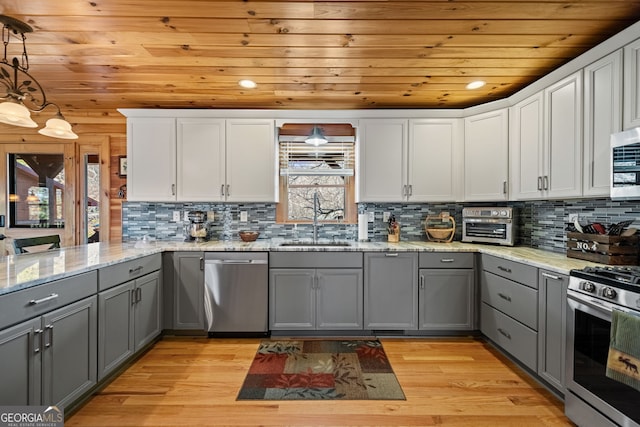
pixel 122 272
pixel 315 260
pixel 446 260
pixel 35 301
pixel 514 299
pixel 512 270
pixel 512 336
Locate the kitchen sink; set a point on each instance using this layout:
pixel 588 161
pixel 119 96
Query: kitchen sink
pixel 320 244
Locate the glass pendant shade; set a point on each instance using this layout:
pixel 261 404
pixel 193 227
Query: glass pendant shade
pixel 316 138
pixel 58 128
pixel 16 114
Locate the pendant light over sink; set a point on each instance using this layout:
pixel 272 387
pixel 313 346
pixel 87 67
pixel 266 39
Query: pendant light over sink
pixel 316 137
pixel 23 94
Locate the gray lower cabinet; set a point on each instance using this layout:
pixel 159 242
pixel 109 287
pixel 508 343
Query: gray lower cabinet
pixel 188 290
pixel 552 294
pixel 447 299
pixel 129 319
pixel 391 290
pixel 50 360
pixel 315 291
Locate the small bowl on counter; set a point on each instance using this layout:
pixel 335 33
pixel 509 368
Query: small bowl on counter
pixel 249 236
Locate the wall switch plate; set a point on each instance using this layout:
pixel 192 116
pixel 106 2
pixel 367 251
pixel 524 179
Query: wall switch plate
pixel 385 216
pixel 372 216
pixel 176 216
pixel 243 216
pixel 186 216
pixel 211 215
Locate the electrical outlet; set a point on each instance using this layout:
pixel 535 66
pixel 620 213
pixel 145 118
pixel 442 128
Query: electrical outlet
pixel 243 216
pixel 573 217
pixel 385 216
pixel 372 216
pixel 176 216
pixel 186 216
pixel 211 215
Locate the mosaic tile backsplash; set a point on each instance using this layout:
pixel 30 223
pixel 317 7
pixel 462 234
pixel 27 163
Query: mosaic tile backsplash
pixel 541 223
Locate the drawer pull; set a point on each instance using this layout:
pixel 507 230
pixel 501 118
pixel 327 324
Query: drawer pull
pixel 136 270
pixel 447 260
pixel 505 269
pixel 391 255
pixel 504 333
pixel 551 276
pixel 504 297
pixel 41 300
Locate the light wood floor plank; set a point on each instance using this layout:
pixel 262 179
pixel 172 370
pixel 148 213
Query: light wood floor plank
pixel 454 382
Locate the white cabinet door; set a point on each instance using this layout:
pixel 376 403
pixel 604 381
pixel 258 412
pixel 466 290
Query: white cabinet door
pixel 486 147
pixel 602 117
pixel 151 158
pixel 382 154
pixel 526 148
pixel 200 159
pixel 562 175
pixel 435 160
pixel 251 161
pixel 632 85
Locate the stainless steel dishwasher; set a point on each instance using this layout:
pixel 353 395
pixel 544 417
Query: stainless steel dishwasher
pixel 236 294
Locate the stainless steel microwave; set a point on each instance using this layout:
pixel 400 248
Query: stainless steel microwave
pixel 489 225
pixel 625 164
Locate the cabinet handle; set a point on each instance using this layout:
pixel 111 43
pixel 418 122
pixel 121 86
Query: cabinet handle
pixel 447 260
pixel 391 255
pixel 551 276
pixel 404 191
pixel 421 281
pixel 504 333
pixel 539 183
pixel 134 296
pixel 545 180
pixel 410 190
pixel 504 297
pixel 49 327
pixel 201 264
pixel 228 190
pixel 37 337
pixel 138 295
pixel 173 189
pixel 504 187
pixel 41 300
pixel 505 269
pixel 136 270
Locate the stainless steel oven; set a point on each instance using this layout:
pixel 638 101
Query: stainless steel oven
pixel 489 225
pixel 592 398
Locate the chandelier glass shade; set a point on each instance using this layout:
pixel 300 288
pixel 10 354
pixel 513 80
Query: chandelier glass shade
pixel 316 137
pixel 20 93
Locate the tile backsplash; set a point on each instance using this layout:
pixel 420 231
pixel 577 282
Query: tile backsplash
pixel 541 223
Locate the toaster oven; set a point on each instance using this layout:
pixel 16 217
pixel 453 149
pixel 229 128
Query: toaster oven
pixel 489 225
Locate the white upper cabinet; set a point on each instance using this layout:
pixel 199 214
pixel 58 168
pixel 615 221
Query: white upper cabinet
pixel 486 151
pixel 526 151
pixel 632 85
pixel 382 153
pixel 251 161
pixel 562 175
pixel 435 160
pixel 602 117
pixel 151 159
pixel 200 159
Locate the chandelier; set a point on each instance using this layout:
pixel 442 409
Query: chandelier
pixel 22 92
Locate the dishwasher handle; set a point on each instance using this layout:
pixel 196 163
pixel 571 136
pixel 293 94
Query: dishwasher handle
pixel 235 261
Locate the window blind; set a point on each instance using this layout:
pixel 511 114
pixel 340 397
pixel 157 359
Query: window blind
pixel 337 157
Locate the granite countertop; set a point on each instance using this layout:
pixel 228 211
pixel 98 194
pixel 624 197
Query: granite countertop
pixel 22 271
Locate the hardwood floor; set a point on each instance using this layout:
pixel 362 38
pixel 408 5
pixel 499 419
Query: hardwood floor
pixel 186 381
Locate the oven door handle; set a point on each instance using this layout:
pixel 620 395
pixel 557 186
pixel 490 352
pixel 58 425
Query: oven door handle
pixel 596 307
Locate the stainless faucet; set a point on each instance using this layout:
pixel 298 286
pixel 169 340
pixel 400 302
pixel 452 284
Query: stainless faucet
pixel 315 217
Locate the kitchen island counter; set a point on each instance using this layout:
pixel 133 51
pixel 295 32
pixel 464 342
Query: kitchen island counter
pixel 22 271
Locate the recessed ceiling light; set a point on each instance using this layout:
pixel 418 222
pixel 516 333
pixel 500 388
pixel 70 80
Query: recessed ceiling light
pixel 476 84
pixel 249 84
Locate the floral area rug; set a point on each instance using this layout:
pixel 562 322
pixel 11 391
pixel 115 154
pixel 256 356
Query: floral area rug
pixel 321 369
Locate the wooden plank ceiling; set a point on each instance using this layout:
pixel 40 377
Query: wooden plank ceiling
pixel 107 54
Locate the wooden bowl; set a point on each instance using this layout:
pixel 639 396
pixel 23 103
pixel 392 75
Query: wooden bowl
pixel 249 236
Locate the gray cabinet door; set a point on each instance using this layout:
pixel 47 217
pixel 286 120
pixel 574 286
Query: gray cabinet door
pixel 551 328
pixel 115 327
pixel 69 360
pixel 292 298
pixel 391 291
pixel 20 351
pixel 339 298
pixel 188 291
pixel 447 299
pixel 147 309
